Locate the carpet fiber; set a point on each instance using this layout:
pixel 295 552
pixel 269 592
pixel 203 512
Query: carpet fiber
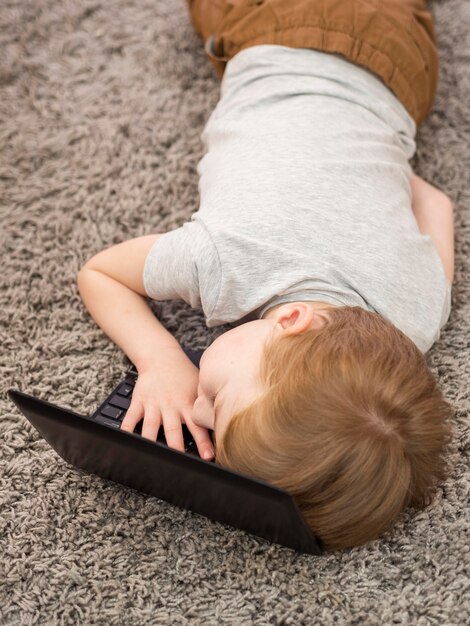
pixel 102 105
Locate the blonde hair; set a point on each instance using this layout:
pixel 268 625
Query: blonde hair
pixel 352 423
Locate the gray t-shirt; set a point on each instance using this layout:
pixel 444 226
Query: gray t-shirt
pixel 304 195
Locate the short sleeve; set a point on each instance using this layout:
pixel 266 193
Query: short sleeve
pixel 183 264
pixel 447 304
pixel 170 269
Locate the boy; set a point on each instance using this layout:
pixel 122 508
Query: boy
pixel 314 237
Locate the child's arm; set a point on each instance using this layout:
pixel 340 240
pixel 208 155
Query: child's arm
pixel 434 214
pixel 111 286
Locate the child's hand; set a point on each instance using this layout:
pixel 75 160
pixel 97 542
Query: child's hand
pixel 165 392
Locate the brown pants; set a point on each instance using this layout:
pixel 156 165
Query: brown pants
pixel 394 39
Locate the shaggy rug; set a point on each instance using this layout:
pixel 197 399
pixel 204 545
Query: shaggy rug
pixel 101 109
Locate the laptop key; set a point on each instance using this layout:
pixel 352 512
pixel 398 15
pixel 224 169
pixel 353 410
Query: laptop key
pixel 104 420
pixel 125 390
pixel 111 411
pixel 191 447
pixel 119 401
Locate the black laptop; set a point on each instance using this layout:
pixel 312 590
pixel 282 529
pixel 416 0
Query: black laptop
pixel 97 445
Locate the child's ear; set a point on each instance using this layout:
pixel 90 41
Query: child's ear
pixel 299 317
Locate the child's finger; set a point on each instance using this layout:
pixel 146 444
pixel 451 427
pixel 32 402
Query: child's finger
pixel 152 421
pixel 173 429
pixel 133 416
pixel 202 438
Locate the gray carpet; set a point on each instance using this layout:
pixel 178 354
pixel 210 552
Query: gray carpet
pixel 101 110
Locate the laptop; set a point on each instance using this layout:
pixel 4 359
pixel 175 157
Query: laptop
pixel 97 445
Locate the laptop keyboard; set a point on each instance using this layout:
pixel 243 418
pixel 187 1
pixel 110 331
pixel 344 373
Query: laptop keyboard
pixel 113 410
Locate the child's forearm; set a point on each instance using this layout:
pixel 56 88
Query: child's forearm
pixel 125 317
pixel 434 214
pixel 423 192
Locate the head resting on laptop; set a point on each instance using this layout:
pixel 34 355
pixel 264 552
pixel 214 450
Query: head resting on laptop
pixel 335 405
